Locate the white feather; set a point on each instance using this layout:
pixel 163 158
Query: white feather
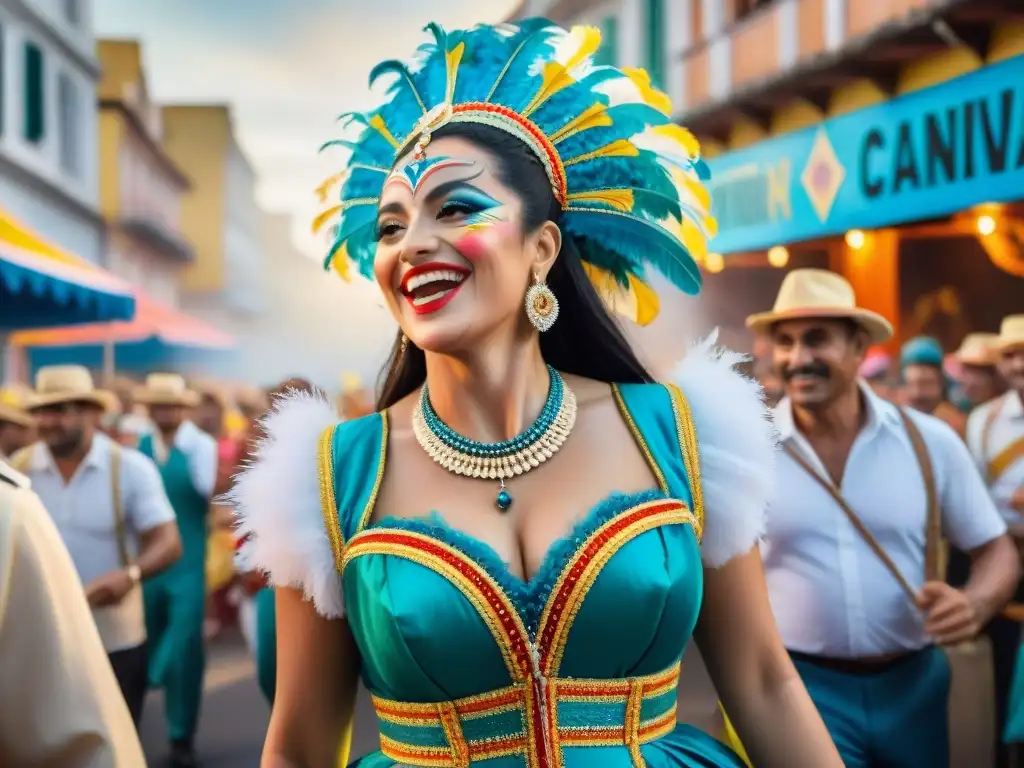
pixel 620 90
pixel 277 504
pixel 737 445
pixel 664 147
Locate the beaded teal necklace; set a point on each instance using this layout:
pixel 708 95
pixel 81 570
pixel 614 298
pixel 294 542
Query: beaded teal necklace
pixel 498 461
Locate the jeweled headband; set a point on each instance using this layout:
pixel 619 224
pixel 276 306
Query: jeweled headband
pixel 628 179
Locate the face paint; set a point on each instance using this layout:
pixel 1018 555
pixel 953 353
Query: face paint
pixel 474 245
pixel 413 174
pixel 479 210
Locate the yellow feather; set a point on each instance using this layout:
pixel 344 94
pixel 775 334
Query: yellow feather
pixel 378 123
pixel 620 199
pixel 647 304
pixel 325 216
pixel 594 116
pixel 638 301
pixel 324 190
pixel 681 135
pixel 452 59
pixel 602 279
pixel 651 95
pixel 618 148
pixel 693 238
pixel 588 45
pixel 688 183
pixel 339 263
pixel 557 75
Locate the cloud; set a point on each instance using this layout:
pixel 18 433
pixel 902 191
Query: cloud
pixel 286 68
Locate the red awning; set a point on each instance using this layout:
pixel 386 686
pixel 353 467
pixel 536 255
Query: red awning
pixel 153 322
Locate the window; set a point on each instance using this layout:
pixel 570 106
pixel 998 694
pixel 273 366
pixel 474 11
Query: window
pixel 73 12
pixel 654 20
pixel 608 55
pixel 70 122
pixel 747 7
pixel 35 96
pixel 3 80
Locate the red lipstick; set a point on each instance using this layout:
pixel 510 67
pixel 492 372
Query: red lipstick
pixel 429 287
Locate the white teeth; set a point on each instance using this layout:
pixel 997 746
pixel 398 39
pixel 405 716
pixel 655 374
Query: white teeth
pixel 432 297
pixel 448 275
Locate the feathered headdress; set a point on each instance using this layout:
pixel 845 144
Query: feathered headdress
pixel 627 178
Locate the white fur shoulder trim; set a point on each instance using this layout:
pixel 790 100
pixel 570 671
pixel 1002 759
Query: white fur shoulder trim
pixel 737 444
pixel 277 503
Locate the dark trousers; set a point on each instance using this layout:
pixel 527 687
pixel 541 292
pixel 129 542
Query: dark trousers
pixel 130 669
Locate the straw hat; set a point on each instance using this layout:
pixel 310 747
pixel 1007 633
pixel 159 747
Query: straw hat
pixel 59 384
pixel 12 408
pixel 1011 332
pixel 818 293
pixel 979 349
pixel 167 389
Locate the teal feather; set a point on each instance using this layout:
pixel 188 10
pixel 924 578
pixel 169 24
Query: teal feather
pixel 626 234
pixel 504 65
pixel 347 118
pixel 627 121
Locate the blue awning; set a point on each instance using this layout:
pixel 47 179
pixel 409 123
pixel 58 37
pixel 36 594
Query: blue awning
pixel 41 286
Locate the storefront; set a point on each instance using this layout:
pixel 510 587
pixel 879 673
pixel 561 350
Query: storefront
pixel 935 174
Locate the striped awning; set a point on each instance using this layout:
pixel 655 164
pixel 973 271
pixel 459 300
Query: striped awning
pixel 158 335
pixel 42 285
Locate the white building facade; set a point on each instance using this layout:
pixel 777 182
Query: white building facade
pixel 48 127
pixel 652 34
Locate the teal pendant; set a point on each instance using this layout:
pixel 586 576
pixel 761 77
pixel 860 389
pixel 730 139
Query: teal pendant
pixel 503 500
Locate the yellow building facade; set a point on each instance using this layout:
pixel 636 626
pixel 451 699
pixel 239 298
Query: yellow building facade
pixel 141 188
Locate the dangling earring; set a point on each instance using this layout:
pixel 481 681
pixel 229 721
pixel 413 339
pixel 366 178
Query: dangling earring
pixel 541 305
pixel 402 344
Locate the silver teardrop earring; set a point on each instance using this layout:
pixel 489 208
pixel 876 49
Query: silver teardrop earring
pixel 541 305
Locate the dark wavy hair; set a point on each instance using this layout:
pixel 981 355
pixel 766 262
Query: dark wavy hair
pixel 585 341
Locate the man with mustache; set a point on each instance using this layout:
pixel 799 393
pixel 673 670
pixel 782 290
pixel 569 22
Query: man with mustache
pixel 995 436
pixel 111 511
pixel 860 483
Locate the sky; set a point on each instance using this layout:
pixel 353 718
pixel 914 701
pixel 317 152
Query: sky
pixel 286 68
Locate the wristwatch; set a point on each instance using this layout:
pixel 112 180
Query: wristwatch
pixel 134 573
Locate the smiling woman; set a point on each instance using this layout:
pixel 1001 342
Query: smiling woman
pixel 515 549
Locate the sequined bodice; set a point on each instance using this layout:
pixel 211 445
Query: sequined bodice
pixel 468 663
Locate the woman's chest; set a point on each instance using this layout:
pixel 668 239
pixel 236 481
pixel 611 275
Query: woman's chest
pixel 421 595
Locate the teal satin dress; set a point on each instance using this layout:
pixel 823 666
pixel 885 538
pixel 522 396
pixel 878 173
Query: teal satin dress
pixel 469 665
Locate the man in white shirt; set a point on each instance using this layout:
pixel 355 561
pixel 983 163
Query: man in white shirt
pixel 864 633
pixel 110 509
pixel 995 436
pixel 176 602
pixel 59 700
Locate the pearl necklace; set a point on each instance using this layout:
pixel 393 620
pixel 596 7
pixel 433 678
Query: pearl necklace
pixel 498 461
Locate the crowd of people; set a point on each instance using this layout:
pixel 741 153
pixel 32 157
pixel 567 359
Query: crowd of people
pixel 130 478
pixel 514 545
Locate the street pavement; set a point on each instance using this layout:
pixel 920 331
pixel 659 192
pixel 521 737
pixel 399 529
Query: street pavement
pixel 234 717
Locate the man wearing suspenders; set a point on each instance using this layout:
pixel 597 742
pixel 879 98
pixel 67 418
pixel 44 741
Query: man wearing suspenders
pixel 110 509
pixel 865 490
pixel 995 436
pixel 176 601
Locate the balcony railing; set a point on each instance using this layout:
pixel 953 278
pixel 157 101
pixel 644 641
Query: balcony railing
pixel 158 237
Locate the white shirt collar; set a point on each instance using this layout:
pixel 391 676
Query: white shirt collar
pixel 184 439
pixel 1013 407
pixel 98 456
pixel 880 414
